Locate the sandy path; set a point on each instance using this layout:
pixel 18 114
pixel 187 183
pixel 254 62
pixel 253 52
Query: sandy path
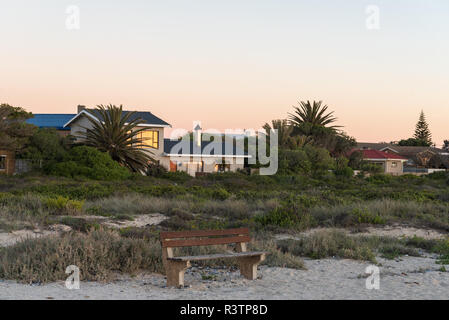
pixel 408 278
pixel 394 231
pixel 138 222
pixel 11 238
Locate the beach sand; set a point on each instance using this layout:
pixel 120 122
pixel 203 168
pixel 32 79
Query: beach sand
pixel 405 278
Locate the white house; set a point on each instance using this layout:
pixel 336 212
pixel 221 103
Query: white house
pixel 193 157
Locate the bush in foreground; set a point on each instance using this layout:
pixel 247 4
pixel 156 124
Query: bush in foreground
pixel 98 254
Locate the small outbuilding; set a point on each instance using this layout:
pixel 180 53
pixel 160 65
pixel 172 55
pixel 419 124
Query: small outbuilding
pixel 7 162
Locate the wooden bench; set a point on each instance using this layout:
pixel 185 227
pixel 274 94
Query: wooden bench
pixel 175 267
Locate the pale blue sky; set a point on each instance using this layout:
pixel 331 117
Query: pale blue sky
pixel 233 64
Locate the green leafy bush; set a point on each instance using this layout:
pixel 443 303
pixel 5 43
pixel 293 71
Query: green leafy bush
pixel 442 248
pixel 156 170
pixel 342 169
pixel 46 144
pixel 178 176
pixel 286 218
pixel 62 205
pixel 439 175
pixel 293 161
pixel 309 160
pixel 365 216
pixel 90 163
pixel 371 167
pixel 380 178
pixel 220 194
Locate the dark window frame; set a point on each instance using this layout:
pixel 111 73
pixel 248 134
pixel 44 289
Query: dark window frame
pixel 3 159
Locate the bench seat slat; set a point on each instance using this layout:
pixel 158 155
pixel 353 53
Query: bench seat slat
pixel 218 256
pixel 202 233
pixel 203 242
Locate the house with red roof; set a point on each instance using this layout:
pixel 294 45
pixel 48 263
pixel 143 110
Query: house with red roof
pixel 420 160
pixel 391 163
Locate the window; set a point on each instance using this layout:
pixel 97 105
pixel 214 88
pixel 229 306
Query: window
pixel 222 167
pixel 150 138
pixel 394 164
pixel 2 162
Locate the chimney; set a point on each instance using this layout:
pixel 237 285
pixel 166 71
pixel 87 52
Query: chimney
pixel 81 108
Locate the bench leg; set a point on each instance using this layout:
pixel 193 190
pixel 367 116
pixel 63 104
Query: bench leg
pixel 248 266
pixel 166 253
pixel 175 273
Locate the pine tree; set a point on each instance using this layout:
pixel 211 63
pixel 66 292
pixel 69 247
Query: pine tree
pixel 422 131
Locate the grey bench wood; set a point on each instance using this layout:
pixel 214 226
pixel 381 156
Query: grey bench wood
pixel 175 267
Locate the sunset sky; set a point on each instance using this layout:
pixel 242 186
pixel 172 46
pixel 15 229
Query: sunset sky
pixel 233 63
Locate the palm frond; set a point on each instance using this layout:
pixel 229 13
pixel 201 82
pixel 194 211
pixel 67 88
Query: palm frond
pixel 313 114
pixel 116 133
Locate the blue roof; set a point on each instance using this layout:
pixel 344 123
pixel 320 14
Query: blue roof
pixel 56 121
pixel 171 147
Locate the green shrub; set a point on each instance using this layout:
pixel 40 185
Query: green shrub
pixel 286 218
pixel 62 205
pixel 306 201
pixel 293 161
pixel 342 169
pixel 371 168
pixel 421 243
pixel 90 163
pixel 178 176
pixel 439 175
pixel 220 194
pixel 309 160
pixel 46 144
pixel 156 170
pixel 365 216
pixel 394 250
pixel 320 159
pixel 442 248
pixel 6 197
pixel 380 178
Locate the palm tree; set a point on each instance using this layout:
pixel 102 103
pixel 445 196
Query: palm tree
pixel 285 131
pixel 312 115
pixel 117 134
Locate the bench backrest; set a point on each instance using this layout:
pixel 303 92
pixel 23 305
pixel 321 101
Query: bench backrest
pixel 204 237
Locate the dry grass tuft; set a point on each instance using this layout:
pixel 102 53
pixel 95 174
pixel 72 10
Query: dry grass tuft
pixel 98 254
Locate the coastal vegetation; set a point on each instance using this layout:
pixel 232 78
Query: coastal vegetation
pixel 281 204
pixel 86 188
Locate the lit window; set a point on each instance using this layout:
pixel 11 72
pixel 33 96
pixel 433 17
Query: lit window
pixel 150 138
pixel 2 162
pixel 222 167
